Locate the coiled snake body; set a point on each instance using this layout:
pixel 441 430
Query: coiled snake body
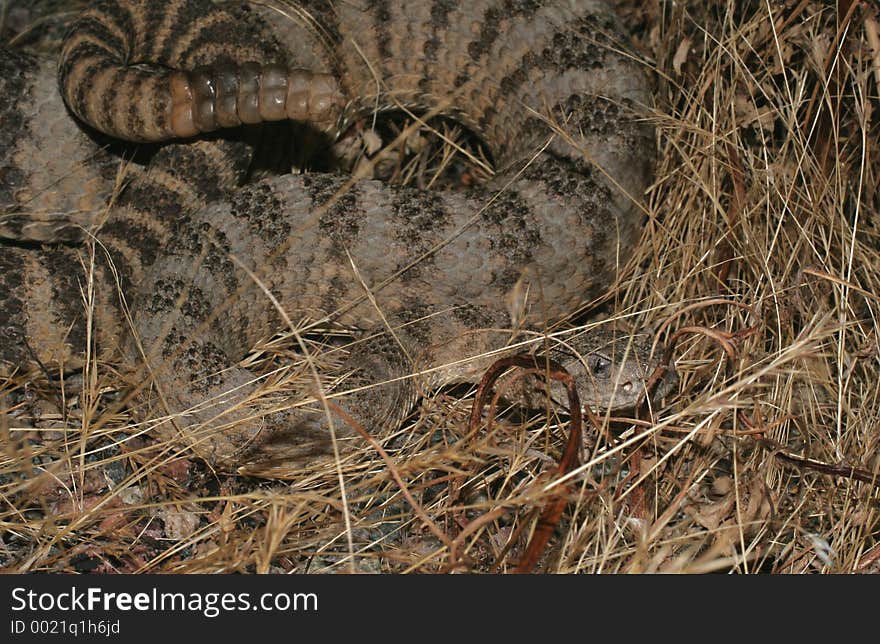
pixel 431 278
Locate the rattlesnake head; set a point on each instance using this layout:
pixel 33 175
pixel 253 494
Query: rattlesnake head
pixel 612 370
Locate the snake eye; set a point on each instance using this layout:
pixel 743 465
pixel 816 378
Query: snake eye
pixel 599 366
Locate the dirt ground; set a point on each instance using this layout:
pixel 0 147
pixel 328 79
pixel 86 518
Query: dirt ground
pixel 759 270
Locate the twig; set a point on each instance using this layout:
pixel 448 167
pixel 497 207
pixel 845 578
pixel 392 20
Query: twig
pixel 553 510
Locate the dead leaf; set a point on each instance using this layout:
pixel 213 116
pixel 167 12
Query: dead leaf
pixel 681 55
pixel 179 524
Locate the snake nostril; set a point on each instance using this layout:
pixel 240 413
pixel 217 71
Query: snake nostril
pixel 627 387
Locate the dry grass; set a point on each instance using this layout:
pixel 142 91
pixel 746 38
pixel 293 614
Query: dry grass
pixel 759 266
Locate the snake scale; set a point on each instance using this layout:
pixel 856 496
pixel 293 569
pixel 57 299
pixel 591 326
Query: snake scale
pixel 432 279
